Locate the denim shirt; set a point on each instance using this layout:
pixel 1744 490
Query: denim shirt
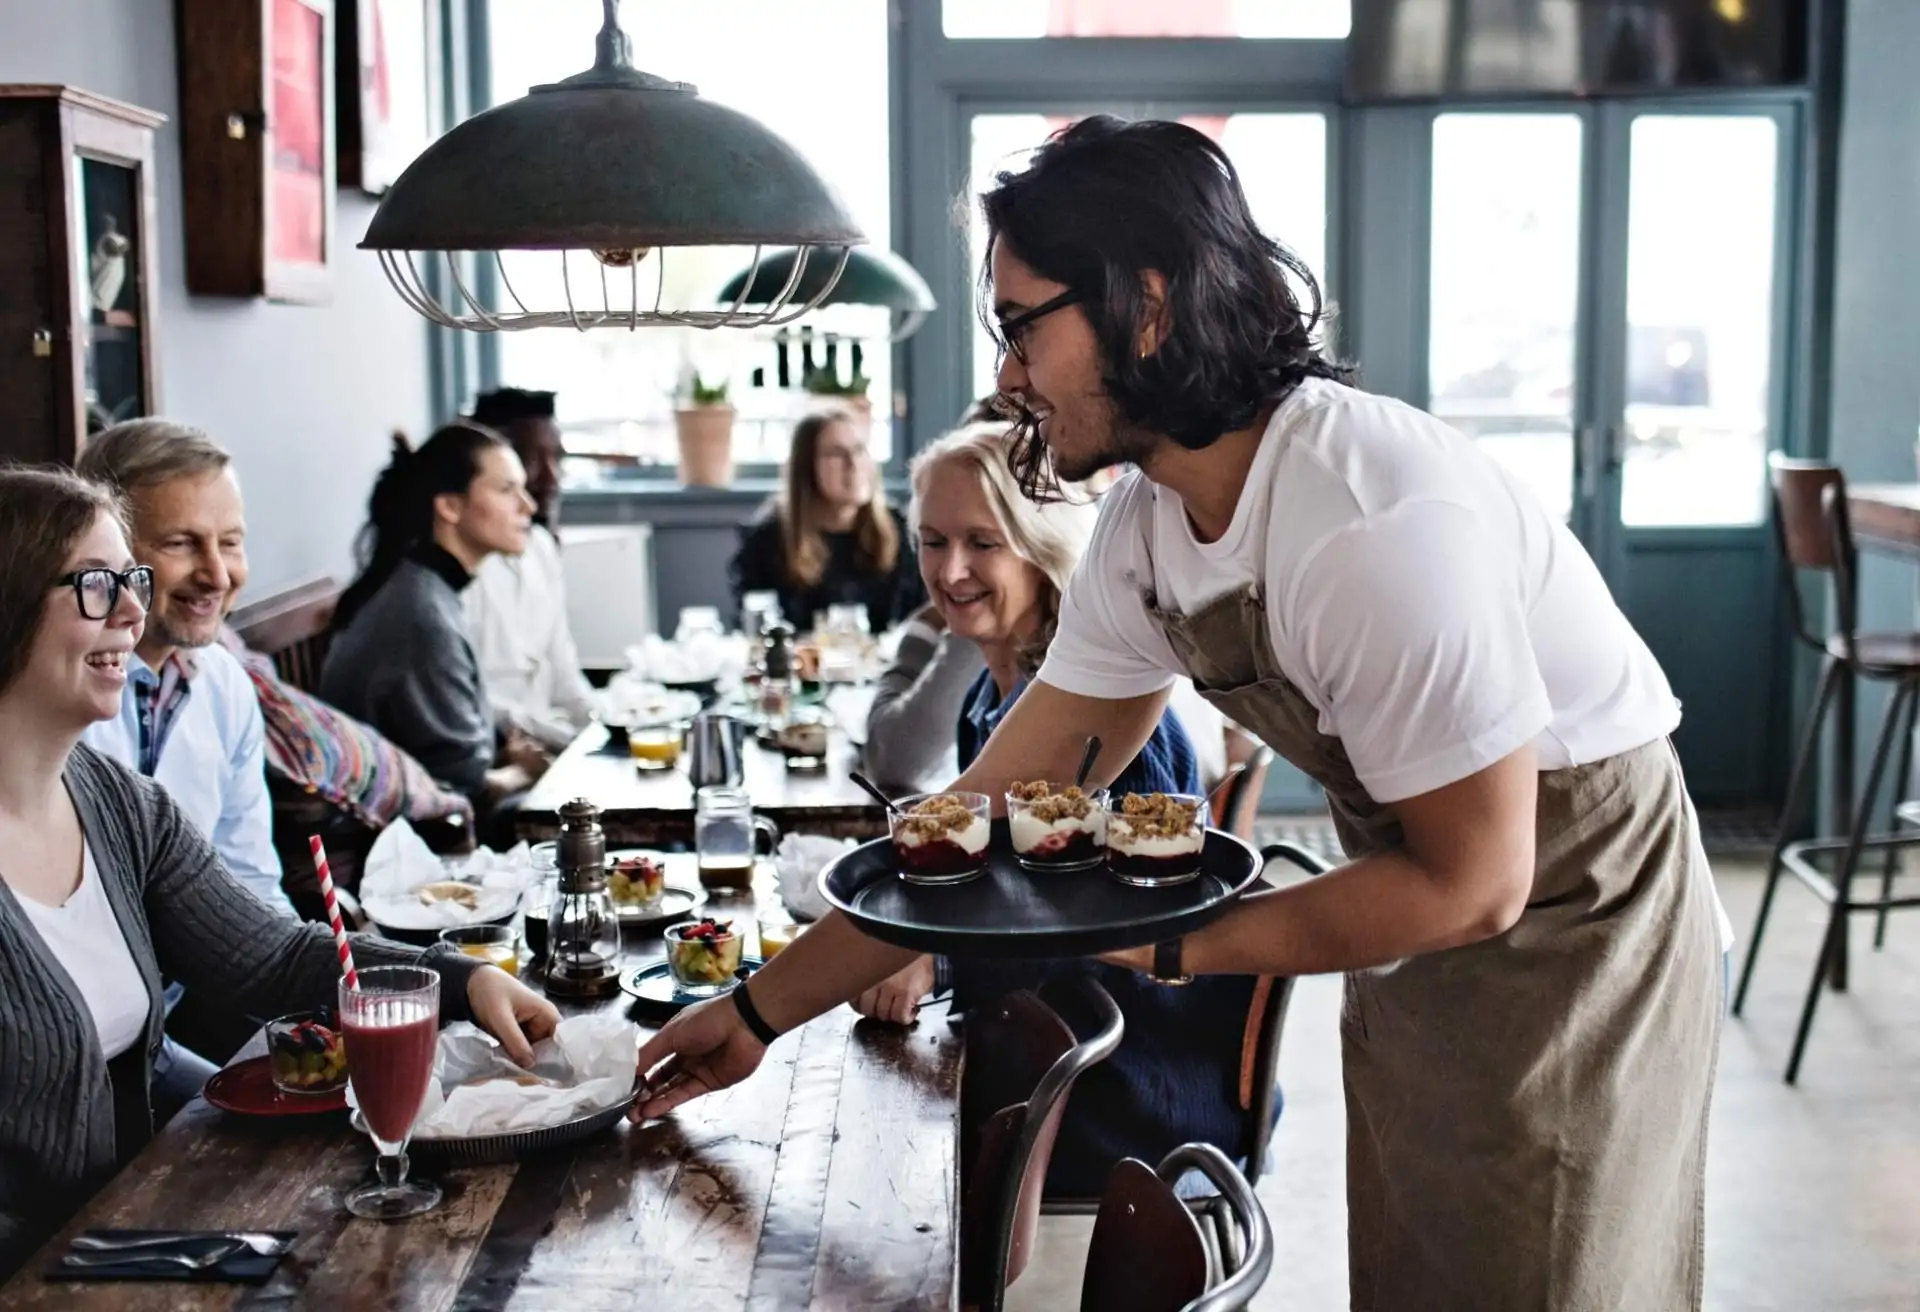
pixel 1174 1078
pixel 212 758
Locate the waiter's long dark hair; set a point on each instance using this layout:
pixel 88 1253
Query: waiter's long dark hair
pixel 1105 200
pixel 400 511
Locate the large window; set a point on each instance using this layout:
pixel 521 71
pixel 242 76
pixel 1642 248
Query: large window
pixel 1700 319
pixel 1504 296
pixel 1145 18
pixel 816 73
pixel 1281 159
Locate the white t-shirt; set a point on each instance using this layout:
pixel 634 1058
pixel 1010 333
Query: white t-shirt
pixel 85 938
pixel 1422 600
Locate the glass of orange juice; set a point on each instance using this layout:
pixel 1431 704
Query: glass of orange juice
pixel 493 944
pixel 777 931
pixel 654 746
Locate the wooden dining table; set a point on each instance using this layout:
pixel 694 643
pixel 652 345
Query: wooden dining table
pixel 654 808
pixel 826 1180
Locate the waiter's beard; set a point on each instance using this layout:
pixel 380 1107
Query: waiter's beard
pixel 1123 444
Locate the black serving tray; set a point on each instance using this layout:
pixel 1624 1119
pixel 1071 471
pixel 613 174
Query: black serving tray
pixel 1011 912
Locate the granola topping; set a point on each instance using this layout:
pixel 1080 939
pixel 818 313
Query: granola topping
pixel 1157 815
pixel 1043 803
pixel 936 817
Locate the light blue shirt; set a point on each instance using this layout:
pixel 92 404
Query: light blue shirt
pixel 213 761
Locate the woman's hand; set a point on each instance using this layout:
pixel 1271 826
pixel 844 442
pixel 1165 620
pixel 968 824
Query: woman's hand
pixel 704 1049
pixel 510 1011
pixel 896 998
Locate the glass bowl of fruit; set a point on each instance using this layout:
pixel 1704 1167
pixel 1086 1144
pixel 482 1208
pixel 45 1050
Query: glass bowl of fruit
pixel 703 955
pixel 635 881
pixel 305 1054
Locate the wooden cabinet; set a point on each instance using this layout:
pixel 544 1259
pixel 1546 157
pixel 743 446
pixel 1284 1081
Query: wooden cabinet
pixel 256 147
pixel 78 290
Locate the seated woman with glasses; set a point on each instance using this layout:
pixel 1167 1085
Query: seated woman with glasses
pixel 828 537
pixel 105 886
pixel 994 563
pixel 401 658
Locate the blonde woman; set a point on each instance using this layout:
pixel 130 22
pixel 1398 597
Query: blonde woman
pixel 994 564
pixel 828 537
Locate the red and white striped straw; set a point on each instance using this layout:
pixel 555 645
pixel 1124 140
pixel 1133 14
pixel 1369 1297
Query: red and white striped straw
pixel 333 911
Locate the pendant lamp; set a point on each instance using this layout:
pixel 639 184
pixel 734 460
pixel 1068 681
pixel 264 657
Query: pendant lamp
pixel 606 173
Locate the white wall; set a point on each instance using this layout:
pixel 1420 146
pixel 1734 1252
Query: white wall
pixel 304 396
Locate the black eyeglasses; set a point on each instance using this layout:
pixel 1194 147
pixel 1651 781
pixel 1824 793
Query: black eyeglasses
pixel 97 590
pixel 1013 331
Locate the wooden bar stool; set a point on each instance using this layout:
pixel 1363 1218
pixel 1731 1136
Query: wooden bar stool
pixel 1810 519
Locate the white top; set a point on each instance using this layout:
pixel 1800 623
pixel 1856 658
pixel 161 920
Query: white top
pixel 213 762
pixel 1419 597
pixel 517 616
pixel 85 938
pixel 1417 594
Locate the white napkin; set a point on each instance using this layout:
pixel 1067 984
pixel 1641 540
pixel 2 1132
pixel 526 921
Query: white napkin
pixel 799 860
pixel 702 656
pixel 589 1058
pixel 400 862
pixel 631 699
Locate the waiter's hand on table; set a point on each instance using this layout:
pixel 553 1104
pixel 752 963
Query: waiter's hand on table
pixel 702 1050
pixel 510 1011
pixel 897 997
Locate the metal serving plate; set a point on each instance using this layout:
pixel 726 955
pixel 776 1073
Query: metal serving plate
pixel 1011 912
pixel 484 1149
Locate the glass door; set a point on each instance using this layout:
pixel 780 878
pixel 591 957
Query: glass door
pixel 1604 311
pixel 1504 291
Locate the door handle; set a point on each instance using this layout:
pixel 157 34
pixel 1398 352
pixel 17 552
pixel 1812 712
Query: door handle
pixel 1615 437
pixel 1586 471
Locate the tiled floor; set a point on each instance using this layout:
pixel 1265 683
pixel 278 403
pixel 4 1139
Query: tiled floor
pixel 1814 1192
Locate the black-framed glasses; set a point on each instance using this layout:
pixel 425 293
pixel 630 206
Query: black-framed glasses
pixel 1013 332
pixel 97 590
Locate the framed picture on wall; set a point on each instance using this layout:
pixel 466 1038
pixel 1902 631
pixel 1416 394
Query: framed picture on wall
pixel 388 88
pixel 257 147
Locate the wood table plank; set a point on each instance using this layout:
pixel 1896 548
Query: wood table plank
pixel 825 1180
pixel 1886 514
pixel 649 808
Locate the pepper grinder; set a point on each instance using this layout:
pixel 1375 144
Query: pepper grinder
pixel 583 929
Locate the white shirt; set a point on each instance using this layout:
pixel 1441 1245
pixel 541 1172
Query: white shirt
pixel 85 938
pixel 213 761
pixel 1422 600
pixel 517 616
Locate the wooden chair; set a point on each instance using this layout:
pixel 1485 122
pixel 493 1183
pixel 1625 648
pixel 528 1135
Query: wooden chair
pixel 291 627
pixel 1005 1152
pixel 1147 1253
pixel 1236 802
pixel 1815 535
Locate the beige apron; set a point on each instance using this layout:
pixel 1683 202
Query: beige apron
pixel 1526 1116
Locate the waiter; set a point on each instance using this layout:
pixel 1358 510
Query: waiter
pixel 1527 923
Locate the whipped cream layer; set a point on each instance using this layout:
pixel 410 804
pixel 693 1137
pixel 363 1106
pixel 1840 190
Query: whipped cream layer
pixel 1121 838
pixel 1030 831
pixel 971 838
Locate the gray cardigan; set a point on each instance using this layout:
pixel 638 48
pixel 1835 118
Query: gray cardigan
pixel 405 665
pixel 68 1118
pixel 916 707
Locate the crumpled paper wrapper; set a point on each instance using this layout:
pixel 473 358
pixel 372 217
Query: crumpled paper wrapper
pixel 400 862
pixel 588 1063
pixel 798 861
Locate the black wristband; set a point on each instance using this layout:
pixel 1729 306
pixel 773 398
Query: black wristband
pixel 756 1023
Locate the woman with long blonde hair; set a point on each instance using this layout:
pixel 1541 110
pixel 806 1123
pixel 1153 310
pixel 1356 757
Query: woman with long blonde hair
pixel 828 537
pixel 995 564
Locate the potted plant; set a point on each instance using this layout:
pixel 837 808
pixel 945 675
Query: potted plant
pixel 705 429
pixel 824 381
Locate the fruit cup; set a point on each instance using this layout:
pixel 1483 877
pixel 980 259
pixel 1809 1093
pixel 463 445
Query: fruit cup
pixel 703 955
pixel 305 1054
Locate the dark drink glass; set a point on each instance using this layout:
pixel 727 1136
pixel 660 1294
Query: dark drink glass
pixel 391 1024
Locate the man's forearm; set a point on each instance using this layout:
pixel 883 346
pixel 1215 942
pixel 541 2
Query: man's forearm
pixel 831 963
pixel 1381 908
